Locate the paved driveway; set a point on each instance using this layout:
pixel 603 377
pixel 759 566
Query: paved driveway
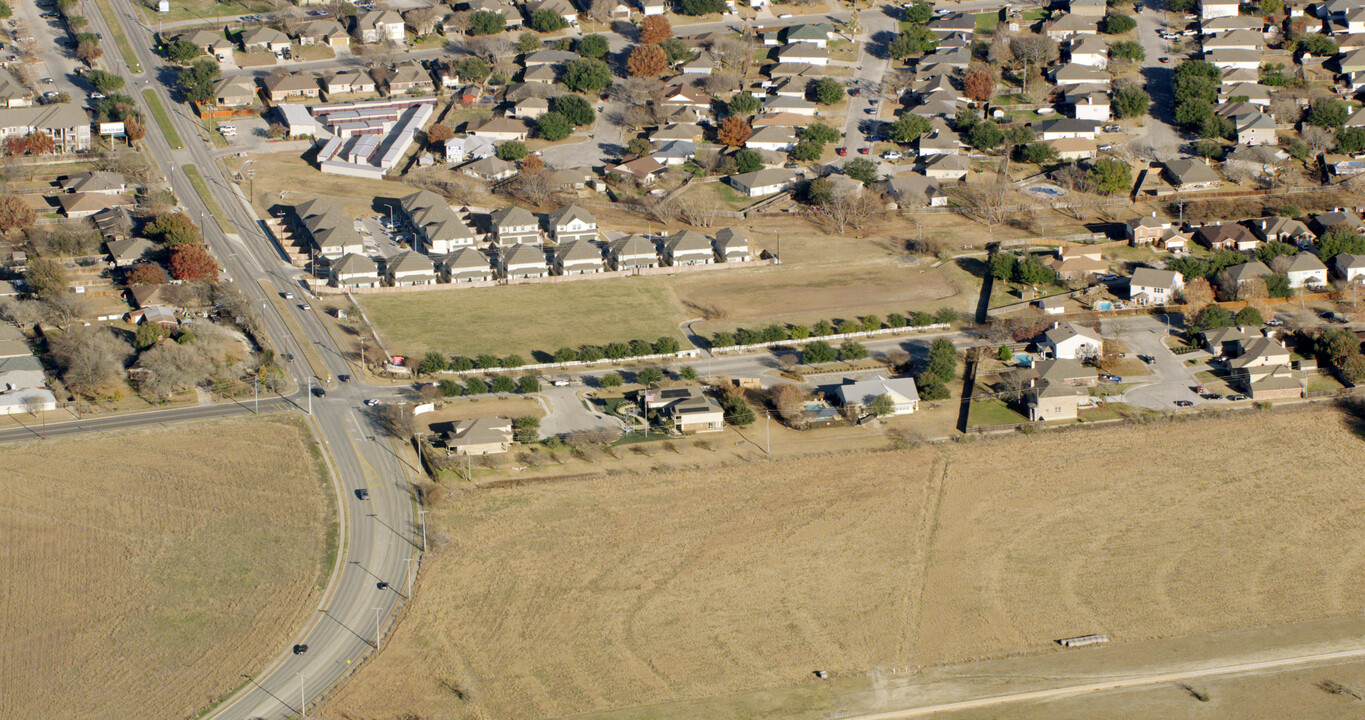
pixel 567 413
pixel 1158 79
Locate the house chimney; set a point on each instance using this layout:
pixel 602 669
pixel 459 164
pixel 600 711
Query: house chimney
pixel 1153 213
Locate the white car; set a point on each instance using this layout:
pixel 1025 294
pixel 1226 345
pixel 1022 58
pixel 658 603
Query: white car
pixel 891 155
pixel 227 130
pixel 372 402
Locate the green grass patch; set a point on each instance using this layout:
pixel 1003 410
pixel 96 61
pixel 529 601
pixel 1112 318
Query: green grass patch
pixel 120 39
pixel 992 412
pixel 202 187
pixel 1032 15
pixel 986 22
pixel 1318 383
pixel 523 318
pixel 162 119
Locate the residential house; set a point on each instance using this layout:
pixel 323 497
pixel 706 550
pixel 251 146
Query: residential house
pixel 1089 50
pixel 489 169
pixel 1149 286
pixel 511 17
pixel 1228 236
pixel 466 265
pixel 1087 8
pixel 530 108
pixel 953 22
pixel 817 34
pixel 264 38
pixel 1228 23
pixel 911 190
pixel 782 104
pixel 1145 230
pixel 99 181
pixel 562 8
pixel 377 26
pixel 1306 270
pixel 237 91
pixel 515 225
pixel 66 123
pixel 572 223
pixel 409 78
pixel 203 39
pixel 1077 263
pixel 1322 222
pixel 79 205
pixel 644 170
pixel 479 436
pixel 1227 342
pixel 1056 389
pixel 946 167
pixel 688 247
pixel 1261 368
pixel 523 261
pixel 1224 59
pixel 1235 40
pixel 763 182
pixel 128 251
pixel 324 32
pixel 1174 240
pixel 1245 92
pixel 677 131
pixel 772 137
pixel 1093 106
pixel 941 140
pixel 1058 128
pixel 1283 229
pixel 1068 340
pixel 436 229
pixel 221 47
pixel 1244 274
pixel 653 7
pixel 497 129
pixel 409 269
pixel 684 96
pixel 548 57
pixel 297 121
pixel 353 270
pixel 1350 268
pixel 803 53
pixel 577 257
pixel 1186 174
pixel 857 395
pixel 632 252
pixel 282 86
pixel 731 246
pixel 675 152
pixel 349 82
pixel 1257 129
pixel 540 75
pixel 686 409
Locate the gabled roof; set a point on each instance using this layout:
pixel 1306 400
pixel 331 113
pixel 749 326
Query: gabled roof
pixel 862 392
pixel 263 34
pixel 633 246
pixel 465 259
pixel 1248 271
pixel 375 18
pixel 354 264
pixel 1066 330
pixel 97 181
pixel 409 261
pixel 1347 261
pixel 1065 124
pixel 1220 233
pixel 1306 262
pixel 1151 277
pixel 513 216
pixel 1189 170
pixel 765 177
pixel 290 82
pixel 129 249
pixel 688 241
pixel 522 255
pixel 567 214
pixel 578 251
pixel 548 57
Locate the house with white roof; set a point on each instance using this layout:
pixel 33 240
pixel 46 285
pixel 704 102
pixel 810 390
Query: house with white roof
pixel 1071 341
pixel 857 395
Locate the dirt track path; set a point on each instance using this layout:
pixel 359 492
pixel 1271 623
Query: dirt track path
pixel 1135 681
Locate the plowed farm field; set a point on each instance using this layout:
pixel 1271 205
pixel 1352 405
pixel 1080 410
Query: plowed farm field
pixel 144 573
pixel 656 596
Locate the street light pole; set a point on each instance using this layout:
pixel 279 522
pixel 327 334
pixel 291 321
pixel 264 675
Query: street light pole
pixel 422 515
pixel 303 699
pixel 377 638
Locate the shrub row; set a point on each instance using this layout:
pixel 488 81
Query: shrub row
pixel 434 362
pixel 867 323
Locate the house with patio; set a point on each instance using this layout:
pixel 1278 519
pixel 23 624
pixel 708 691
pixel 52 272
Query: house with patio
pixel 857 395
pixel 409 269
pixel 688 247
pixel 515 225
pixel 571 223
pixel 578 257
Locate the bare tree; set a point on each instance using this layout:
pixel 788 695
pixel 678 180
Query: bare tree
pixel 422 20
pixel 91 360
pixel 697 208
pixel 396 420
pixel 456 22
pixel 168 368
pixel 790 402
pixel 721 84
pixel 735 54
pixel 985 203
pixel 600 10
pixel 493 48
pixel 853 210
pixel 534 185
pixel 637 90
pixel 1320 139
pixel 64 309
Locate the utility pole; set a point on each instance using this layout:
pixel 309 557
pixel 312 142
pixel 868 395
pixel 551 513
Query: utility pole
pixel 422 515
pixel 303 698
pixel 768 426
pixel 256 387
pixel 377 638
pixel 362 358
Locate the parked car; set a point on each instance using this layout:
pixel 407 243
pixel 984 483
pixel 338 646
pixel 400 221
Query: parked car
pixel 1236 398
pixel 841 151
pixel 300 649
pixel 373 402
pixel 1274 322
pixel 1183 403
pixel 864 151
pixel 1147 359
pixel 227 130
pixel 891 155
pixel 1200 389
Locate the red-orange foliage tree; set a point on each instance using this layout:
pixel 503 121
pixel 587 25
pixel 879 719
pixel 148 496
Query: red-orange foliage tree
pixel 734 131
pixel 192 261
pixel 647 61
pixel 979 85
pixel 655 29
pixel 146 274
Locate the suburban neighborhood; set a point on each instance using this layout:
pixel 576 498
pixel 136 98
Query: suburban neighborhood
pixel 406 358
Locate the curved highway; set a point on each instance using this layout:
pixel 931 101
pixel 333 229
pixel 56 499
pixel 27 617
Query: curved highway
pixel 381 535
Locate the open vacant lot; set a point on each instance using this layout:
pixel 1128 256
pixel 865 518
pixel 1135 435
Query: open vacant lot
pixel 522 318
pixel 142 574
pixel 661 590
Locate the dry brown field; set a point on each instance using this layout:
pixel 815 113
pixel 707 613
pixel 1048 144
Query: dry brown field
pixel 642 596
pixel 144 573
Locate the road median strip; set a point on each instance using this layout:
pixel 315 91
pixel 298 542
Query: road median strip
pixel 162 119
pixel 120 39
pixel 291 323
pixel 202 188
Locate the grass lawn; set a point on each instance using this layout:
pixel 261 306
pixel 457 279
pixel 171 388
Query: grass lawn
pixel 523 318
pixel 986 22
pixel 208 10
pixel 993 412
pixel 124 48
pixel 162 119
pixel 254 59
pixel 1318 383
pixel 313 52
pixel 202 189
pixel 1031 15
